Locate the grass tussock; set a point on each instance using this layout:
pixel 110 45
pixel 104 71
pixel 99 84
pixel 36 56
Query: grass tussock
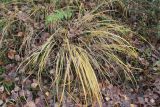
pixel 82 42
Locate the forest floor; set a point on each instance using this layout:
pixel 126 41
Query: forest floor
pixel 17 93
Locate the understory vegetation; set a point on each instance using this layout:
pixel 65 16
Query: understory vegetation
pixel 72 50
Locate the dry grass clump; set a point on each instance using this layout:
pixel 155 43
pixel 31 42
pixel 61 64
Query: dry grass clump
pixel 82 43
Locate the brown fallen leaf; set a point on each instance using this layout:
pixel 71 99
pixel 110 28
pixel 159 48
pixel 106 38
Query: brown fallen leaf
pixel 11 53
pixel 3 96
pixel 1 62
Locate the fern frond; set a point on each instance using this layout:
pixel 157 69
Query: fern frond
pixel 59 15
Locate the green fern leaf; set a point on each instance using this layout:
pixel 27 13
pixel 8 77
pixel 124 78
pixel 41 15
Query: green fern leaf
pixel 59 15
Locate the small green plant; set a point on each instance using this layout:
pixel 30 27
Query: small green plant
pixel 2 24
pixel 59 15
pixel 81 50
pixel 8 85
pixel 2 70
pixel 81 54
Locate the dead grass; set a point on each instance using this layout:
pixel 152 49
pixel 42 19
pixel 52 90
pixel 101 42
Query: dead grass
pixel 78 47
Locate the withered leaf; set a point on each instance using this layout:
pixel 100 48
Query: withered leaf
pixel 11 54
pixel 1 62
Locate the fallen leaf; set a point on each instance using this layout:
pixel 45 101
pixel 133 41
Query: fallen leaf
pixel 146 99
pixel 20 34
pixel 152 100
pixel 107 98
pixel 17 58
pixel 133 105
pixel 51 71
pixel 34 85
pixel 1 63
pixel 1 88
pixel 16 88
pixel 11 54
pixel 56 105
pixel 3 96
pixel 47 94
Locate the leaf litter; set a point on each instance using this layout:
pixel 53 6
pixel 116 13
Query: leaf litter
pixel 28 95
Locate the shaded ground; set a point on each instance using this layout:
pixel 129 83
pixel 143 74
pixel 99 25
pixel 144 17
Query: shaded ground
pixel 14 91
pixel 147 93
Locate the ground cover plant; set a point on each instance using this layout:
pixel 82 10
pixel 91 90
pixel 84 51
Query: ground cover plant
pixel 145 14
pixel 67 50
